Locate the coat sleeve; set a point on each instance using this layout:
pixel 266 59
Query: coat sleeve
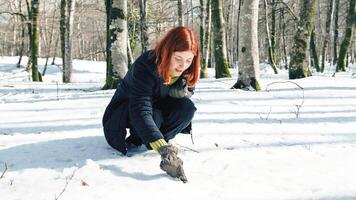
pixel 140 103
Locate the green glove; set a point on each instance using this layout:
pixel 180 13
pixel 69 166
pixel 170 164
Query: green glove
pixel 171 163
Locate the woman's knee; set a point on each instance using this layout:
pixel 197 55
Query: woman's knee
pixel 186 107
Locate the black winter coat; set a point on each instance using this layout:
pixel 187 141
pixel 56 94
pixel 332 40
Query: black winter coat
pixel 133 100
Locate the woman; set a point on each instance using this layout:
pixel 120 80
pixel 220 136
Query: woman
pixel 153 99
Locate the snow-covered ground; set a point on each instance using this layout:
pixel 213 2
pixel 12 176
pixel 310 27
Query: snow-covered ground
pixel 282 143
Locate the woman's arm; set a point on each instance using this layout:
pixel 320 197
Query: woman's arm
pixel 140 103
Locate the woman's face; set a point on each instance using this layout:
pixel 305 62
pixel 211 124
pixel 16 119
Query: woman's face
pixel 180 61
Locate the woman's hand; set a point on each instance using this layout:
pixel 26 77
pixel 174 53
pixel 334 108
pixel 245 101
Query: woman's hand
pixel 180 89
pixel 171 163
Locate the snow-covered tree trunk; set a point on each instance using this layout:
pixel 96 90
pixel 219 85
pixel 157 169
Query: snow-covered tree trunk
pixel 249 74
pixel 69 18
pixel 299 63
pixel 116 42
pixel 350 22
pixel 221 63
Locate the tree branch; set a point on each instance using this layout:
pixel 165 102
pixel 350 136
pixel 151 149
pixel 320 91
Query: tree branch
pixel 68 179
pixel 3 173
pixel 15 14
pixel 298 106
pixel 191 9
pixel 289 9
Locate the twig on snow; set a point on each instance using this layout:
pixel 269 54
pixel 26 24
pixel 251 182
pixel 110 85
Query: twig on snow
pixel 188 148
pixel 266 118
pixel 3 173
pixel 57 90
pixel 298 106
pixel 68 179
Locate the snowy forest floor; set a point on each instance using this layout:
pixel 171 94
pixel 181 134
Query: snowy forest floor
pixel 284 142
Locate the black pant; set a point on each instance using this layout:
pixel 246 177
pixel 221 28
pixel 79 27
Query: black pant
pixel 171 115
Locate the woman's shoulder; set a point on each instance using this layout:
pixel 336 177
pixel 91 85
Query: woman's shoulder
pixel 145 63
pixel 147 57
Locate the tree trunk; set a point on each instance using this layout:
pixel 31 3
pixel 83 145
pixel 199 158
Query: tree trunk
pixel 14 39
pixel 67 70
pixel 55 51
pixel 329 15
pixel 207 42
pixel 336 30
pixel 66 30
pixel 221 64
pixel 22 43
pixel 230 40
pixel 62 30
pixel 226 16
pixel 202 29
pixel 270 48
pixel 143 15
pixel 36 76
pixel 248 76
pixel 238 30
pixel 283 32
pixel 314 51
pixel 192 13
pixel 116 40
pixel 180 13
pixel 273 31
pixel 129 52
pixel 350 21
pixel 299 64
pixel 51 35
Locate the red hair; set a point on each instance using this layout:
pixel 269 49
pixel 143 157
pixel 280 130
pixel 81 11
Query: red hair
pixel 178 39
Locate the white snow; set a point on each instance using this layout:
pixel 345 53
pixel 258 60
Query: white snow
pixel 284 143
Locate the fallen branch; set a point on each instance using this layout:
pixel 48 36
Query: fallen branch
pixel 190 149
pixel 266 118
pixel 298 106
pixel 68 179
pixel 57 90
pixel 3 173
